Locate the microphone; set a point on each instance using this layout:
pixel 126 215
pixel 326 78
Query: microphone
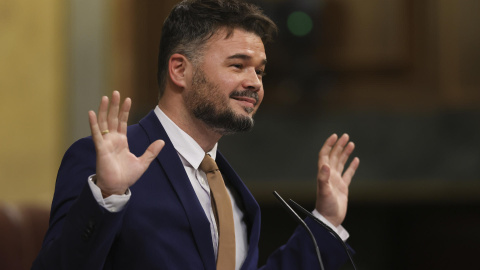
pixel 301 222
pixel 308 213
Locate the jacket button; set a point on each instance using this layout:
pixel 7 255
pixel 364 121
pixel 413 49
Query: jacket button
pixel 91 224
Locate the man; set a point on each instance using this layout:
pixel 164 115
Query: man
pixel 146 200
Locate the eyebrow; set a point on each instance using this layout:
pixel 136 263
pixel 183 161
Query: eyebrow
pixel 245 57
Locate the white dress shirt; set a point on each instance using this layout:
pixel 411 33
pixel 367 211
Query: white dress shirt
pixel 191 155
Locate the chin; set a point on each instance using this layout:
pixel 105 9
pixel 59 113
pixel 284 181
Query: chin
pixel 248 111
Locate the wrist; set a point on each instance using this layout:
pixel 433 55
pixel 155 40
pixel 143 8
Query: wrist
pixel 105 193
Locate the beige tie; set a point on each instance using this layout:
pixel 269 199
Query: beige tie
pixel 222 207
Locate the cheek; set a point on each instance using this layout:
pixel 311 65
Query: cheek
pixel 228 85
pixel 260 96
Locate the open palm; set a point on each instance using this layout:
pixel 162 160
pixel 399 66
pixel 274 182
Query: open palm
pixel 332 180
pixel 117 167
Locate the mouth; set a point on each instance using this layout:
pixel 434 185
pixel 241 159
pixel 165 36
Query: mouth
pixel 247 99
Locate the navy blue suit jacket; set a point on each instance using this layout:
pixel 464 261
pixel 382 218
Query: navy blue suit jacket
pixel 163 226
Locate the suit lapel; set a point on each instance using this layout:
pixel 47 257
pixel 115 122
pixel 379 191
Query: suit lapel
pixel 173 167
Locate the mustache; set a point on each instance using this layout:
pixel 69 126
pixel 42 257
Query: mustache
pixel 245 93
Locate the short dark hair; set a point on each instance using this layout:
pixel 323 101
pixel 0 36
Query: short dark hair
pixel 192 22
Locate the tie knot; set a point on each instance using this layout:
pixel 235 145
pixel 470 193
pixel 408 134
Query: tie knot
pixel 208 164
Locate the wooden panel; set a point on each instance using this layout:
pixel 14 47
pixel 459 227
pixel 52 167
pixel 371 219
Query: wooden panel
pixel 458 54
pixel 136 36
pixel 366 34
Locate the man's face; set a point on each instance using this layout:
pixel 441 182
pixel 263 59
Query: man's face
pixel 226 88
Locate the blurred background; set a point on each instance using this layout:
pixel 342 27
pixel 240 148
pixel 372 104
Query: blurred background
pixel 401 77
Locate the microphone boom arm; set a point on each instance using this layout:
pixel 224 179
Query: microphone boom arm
pixel 301 222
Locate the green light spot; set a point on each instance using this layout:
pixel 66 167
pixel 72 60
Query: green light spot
pixel 299 23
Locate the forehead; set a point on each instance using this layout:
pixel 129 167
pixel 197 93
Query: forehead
pixel 239 42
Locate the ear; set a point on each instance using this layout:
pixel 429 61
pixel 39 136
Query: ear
pixel 178 70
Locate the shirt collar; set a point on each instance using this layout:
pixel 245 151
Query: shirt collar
pixel 185 145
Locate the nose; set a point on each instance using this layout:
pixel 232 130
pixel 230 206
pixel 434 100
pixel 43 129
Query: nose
pixel 252 81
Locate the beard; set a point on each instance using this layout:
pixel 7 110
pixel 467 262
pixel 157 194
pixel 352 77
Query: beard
pixel 208 103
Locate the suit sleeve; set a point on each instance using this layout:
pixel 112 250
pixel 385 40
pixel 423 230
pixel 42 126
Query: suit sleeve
pixel 299 251
pixel 81 232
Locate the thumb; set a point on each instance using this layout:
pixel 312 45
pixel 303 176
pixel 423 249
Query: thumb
pixel 152 152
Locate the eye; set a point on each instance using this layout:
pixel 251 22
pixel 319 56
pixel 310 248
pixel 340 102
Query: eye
pixel 261 73
pixel 237 66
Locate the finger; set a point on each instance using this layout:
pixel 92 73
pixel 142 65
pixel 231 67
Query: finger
pixel 152 152
pixel 96 133
pixel 350 172
pixel 113 112
pixel 102 114
pixel 123 116
pixel 347 151
pixel 323 181
pixel 338 149
pixel 326 148
pixel 324 174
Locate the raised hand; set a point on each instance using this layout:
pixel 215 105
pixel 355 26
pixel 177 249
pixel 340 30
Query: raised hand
pixel 332 180
pixel 117 167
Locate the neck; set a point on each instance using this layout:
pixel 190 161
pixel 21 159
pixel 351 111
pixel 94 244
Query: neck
pixel 197 129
